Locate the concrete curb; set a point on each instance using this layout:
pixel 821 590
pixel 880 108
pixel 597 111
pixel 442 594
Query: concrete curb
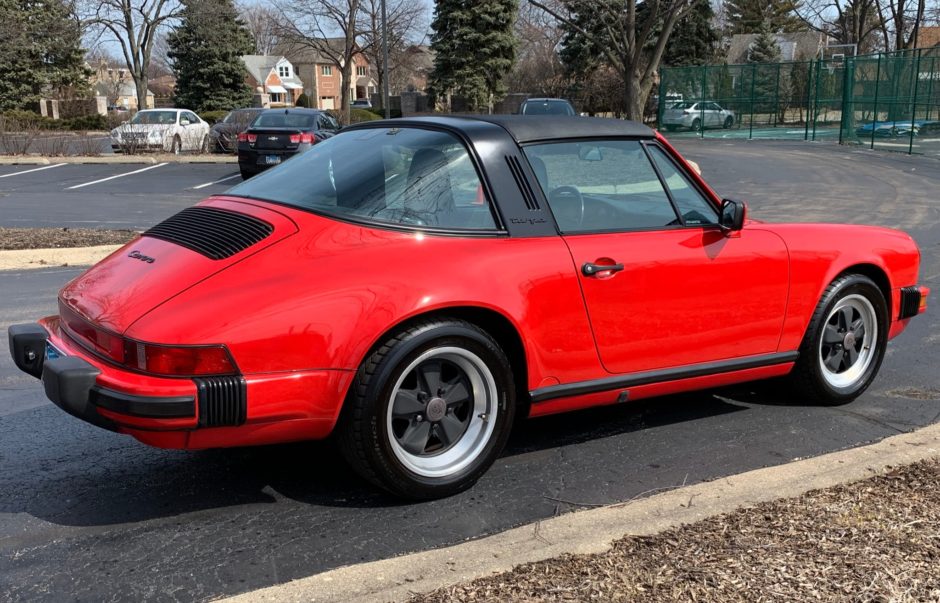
pixel 118 159
pixel 593 531
pixel 18 259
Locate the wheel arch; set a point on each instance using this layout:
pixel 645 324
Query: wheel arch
pixel 876 274
pixel 497 324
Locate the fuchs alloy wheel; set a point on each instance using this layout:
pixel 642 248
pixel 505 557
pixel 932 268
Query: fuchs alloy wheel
pixel 429 410
pixel 845 343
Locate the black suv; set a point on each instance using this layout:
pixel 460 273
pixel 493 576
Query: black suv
pixel 278 134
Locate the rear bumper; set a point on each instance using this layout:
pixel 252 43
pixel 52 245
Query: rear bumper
pixel 256 159
pixel 210 412
pixel 70 382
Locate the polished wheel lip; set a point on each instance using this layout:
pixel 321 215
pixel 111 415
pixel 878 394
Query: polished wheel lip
pixel 856 329
pixel 476 434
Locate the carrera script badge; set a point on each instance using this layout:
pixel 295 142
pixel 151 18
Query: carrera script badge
pixel 139 256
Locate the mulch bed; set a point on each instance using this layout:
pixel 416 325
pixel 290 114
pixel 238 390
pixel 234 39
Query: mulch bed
pixel 43 238
pixel 873 541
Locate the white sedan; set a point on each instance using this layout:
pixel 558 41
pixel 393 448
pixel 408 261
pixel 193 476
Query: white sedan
pixel 169 130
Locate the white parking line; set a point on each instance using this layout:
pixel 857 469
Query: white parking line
pixel 196 188
pixel 47 167
pixel 117 176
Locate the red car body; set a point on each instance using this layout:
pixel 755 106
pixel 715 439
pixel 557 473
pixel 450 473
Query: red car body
pixel 299 311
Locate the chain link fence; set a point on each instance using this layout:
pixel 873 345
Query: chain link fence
pixel 887 101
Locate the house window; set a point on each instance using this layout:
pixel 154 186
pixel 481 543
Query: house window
pixel 283 70
pixel 360 71
pixel 326 70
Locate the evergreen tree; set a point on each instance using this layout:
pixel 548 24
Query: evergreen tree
pixel 473 48
pixel 765 55
pixel 764 48
pixel 747 16
pixel 41 53
pixel 694 39
pixel 206 51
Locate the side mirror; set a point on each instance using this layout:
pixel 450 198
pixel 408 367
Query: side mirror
pixel 732 215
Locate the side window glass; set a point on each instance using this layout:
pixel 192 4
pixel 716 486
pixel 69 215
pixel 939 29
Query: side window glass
pixel 696 210
pixel 604 185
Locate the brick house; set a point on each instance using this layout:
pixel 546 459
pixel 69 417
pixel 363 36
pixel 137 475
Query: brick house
pixel 115 83
pixel 322 76
pixel 276 75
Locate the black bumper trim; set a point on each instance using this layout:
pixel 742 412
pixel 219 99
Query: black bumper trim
pixel 910 302
pixel 180 407
pixel 28 347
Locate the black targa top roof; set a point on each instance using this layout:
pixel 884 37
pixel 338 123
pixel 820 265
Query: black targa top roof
pixel 530 128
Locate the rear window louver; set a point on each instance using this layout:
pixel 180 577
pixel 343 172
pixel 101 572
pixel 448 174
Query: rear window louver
pixel 527 195
pixel 215 233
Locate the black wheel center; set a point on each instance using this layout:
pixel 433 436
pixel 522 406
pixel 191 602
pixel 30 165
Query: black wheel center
pixel 436 409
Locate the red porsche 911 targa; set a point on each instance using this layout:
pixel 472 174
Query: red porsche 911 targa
pixel 412 286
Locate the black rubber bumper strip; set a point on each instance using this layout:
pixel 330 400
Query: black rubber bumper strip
pixel 705 369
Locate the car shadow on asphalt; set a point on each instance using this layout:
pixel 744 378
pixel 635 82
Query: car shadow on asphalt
pixel 94 478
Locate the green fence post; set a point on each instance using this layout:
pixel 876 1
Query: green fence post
pixel 874 124
pixel 750 132
pixel 816 98
pixel 660 104
pixel 809 86
pixel 848 106
pixel 915 75
pixel 933 67
pixel 777 95
pixel 702 100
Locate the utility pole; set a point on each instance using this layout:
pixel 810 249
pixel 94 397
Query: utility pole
pixel 385 99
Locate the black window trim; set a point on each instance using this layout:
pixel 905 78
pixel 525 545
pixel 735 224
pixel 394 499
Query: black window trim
pixel 644 141
pixel 695 186
pixel 500 231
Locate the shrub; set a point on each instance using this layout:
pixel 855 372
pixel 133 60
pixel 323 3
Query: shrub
pixel 358 115
pixel 303 100
pixel 381 112
pixel 86 122
pixel 213 116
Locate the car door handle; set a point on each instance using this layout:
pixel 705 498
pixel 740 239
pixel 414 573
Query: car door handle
pixel 589 269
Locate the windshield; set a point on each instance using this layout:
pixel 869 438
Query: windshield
pixel 166 118
pixel 555 107
pixel 400 176
pixel 280 119
pixel 684 106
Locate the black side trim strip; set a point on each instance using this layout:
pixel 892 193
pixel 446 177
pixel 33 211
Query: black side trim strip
pixel 142 406
pixel 673 374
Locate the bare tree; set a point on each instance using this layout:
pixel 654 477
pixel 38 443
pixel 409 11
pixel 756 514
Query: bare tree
pixel 306 24
pixel 845 21
pixel 632 42
pixel 407 20
pixel 262 22
pixel 538 68
pixel 901 21
pixel 134 24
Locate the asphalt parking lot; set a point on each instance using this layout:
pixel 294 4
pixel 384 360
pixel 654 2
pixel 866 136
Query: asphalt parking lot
pixel 89 515
pixel 134 196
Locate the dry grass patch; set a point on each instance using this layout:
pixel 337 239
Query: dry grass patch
pixel 873 541
pixel 45 238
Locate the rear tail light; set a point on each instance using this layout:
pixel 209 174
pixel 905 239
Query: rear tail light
pixel 150 358
pixel 246 137
pixel 177 361
pixel 304 138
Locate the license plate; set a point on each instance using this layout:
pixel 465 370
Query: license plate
pixel 272 159
pixel 53 352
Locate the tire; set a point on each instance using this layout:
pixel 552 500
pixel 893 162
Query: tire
pixel 403 436
pixel 729 121
pixel 828 372
pixel 670 128
pixel 176 146
pixel 246 174
pixel 696 125
pixel 204 147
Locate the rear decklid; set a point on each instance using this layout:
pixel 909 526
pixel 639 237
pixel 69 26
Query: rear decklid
pixel 171 257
